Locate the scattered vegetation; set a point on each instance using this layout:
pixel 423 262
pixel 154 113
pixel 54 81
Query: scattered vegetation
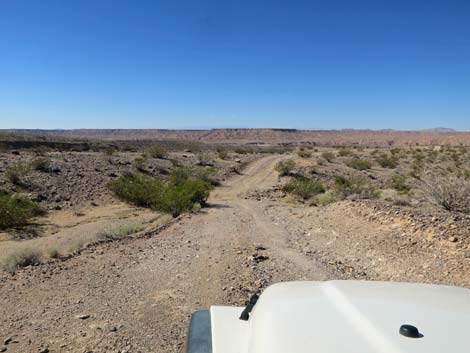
pixel 17 210
pixel 398 182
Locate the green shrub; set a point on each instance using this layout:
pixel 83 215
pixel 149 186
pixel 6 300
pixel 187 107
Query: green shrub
pixel 353 186
pixel 386 161
pixel 359 164
pixel 175 197
pixel 16 210
pixel 344 152
pixel 304 187
pixel 157 151
pixel 21 258
pixel 285 167
pixel 328 156
pixel 398 182
pixel 16 172
pixel 41 164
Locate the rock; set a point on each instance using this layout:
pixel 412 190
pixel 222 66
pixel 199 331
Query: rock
pixel 453 239
pixel 44 350
pixel 16 153
pixel 7 340
pixel 82 316
pixel 3 349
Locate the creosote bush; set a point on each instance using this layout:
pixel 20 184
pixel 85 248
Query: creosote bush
pixel 359 164
pixel 304 188
pixel 386 161
pixel 285 167
pixel 17 210
pixel 176 196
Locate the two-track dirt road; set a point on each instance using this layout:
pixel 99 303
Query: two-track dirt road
pixel 137 295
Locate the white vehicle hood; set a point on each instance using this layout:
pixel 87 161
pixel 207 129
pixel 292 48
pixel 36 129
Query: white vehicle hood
pixel 347 317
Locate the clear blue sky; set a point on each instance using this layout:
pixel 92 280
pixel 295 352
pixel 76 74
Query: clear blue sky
pixel 200 64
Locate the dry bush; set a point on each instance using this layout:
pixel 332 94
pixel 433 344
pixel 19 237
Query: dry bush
pixel 328 156
pixel 120 232
pixel 21 258
pixel 304 154
pixel 16 172
pixel 450 192
pixel 285 167
pixel 157 151
pixel 41 164
pixel 359 164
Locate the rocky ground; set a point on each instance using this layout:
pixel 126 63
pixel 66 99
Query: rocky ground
pixel 136 295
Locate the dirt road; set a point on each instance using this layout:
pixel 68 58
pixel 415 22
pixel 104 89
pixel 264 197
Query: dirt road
pixel 137 295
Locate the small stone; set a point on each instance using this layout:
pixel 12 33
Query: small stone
pixel 82 316
pixel 453 239
pixel 7 340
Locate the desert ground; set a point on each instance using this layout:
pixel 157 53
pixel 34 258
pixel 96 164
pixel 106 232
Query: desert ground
pixel 112 276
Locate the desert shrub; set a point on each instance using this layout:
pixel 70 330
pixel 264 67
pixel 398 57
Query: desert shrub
pixel 398 182
pixel 140 163
pixel 450 192
pixel 304 154
pixel 16 172
pixel 120 232
pixel 304 187
pixel 222 153
pixel 21 258
pixel 395 151
pixel 41 164
pixel 285 167
pixel 386 161
pixel 140 190
pixel 17 210
pixel 359 164
pixel 328 156
pixel 157 151
pixel 357 186
pixel 176 196
pixel 326 198
pixel 345 152
pixel 53 253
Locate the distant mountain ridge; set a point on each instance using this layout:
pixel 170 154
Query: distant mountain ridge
pixel 437 136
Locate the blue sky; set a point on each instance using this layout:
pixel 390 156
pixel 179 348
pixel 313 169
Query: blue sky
pixel 201 64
